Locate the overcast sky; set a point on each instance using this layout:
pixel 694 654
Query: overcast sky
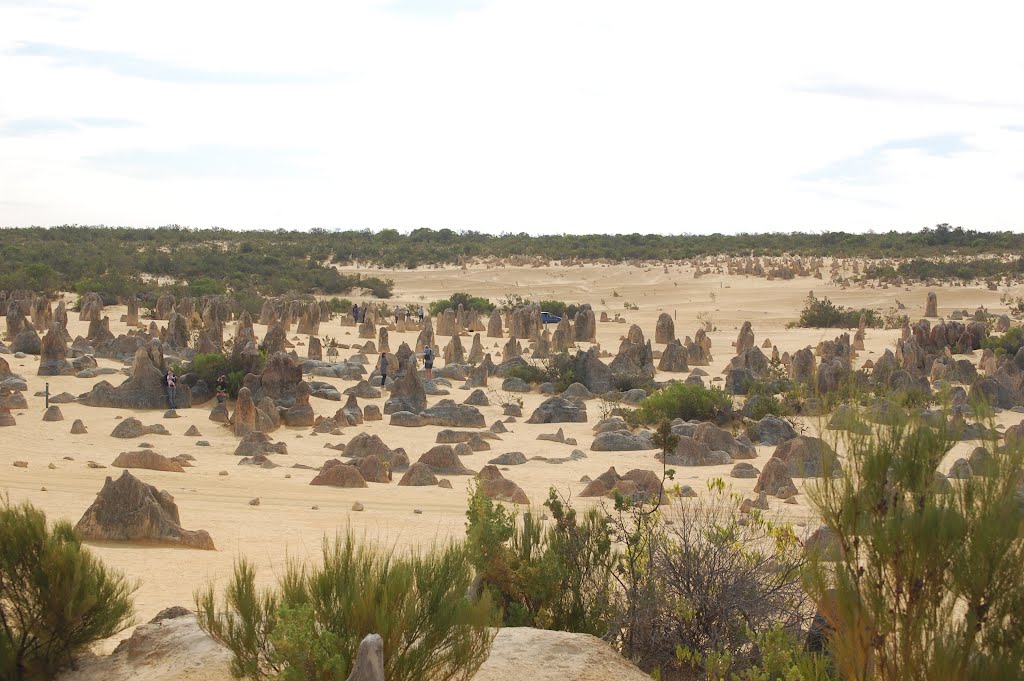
pixel 513 115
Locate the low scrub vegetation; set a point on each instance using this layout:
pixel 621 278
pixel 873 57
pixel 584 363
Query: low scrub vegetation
pixel 210 366
pixel 554 576
pixel 309 627
pixel 56 598
pixel 683 401
pixel 468 302
pixel 822 313
pixel 1008 343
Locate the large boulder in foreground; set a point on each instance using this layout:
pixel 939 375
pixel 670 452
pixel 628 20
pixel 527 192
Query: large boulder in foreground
pixel 539 655
pixel 129 510
pixel 146 388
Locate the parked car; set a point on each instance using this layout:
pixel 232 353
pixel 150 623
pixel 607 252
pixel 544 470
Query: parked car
pixel 548 318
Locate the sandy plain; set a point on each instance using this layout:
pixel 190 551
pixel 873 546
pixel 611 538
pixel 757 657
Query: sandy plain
pixel 285 524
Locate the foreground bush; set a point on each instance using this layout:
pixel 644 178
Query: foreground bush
pixel 706 584
pixel 554 577
pixel 926 583
pixel 1007 344
pixel 56 598
pixel 684 401
pixel 309 628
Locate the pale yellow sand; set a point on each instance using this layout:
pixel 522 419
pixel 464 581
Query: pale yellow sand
pixel 284 525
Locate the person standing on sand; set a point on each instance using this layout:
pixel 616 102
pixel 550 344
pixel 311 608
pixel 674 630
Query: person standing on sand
pixel 172 387
pixel 355 312
pixel 382 365
pixel 421 314
pixel 428 361
pixel 396 314
pixel 222 388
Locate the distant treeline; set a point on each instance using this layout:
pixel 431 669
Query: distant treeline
pixel 119 261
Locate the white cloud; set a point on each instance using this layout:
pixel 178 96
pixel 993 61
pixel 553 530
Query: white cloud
pixel 512 114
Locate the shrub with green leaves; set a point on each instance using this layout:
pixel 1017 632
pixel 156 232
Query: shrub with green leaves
pixel 208 366
pixel 822 313
pixel 468 302
pixel 310 626
pixel 557 576
pixel 1008 343
pixel 684 401
pixel 923 580
pixel 56 598
pixel 529 373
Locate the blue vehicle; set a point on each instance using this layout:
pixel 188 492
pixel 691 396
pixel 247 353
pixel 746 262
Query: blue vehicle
pixel 548 318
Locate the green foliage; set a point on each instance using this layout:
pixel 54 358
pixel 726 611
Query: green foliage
pixel 310 626
pixel 555 307
pixel 467 301
pixel 553 577
pixel 205 286
pixel 686 401
pixel 1008 343
pixel 209 366
pixel 823 314
pixel 963 269
pixel 720 581
pixel 56 598
pixel 561 370
pixel 529 373
pixel 926 584
pixel 339 305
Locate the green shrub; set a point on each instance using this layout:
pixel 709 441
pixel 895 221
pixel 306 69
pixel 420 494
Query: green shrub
pixel 208 366
pixel 561 370
pixel 56 598
pixel 339 305
pixel 716 581
pixel 468 302
pixel 1008 343
pixel 310 626
pixel 555 307
pixel 554 577
pixel 684 401
pixel 823 313
pixel 923 583
pixel 530 373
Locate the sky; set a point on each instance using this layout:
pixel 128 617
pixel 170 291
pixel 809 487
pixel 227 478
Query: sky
pixel 540 116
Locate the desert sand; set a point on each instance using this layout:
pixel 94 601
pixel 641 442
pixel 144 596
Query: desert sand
pixel 293 517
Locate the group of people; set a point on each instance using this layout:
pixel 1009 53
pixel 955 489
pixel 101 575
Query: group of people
pixel 359 313
pixel 171 379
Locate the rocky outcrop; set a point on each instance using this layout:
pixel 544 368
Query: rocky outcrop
pixel 256 443
pixel 496 486
pixel 621 441
pixel 808 457
pixel 131 427
pixel 771 430
pixel 931 306
pixel 559 410
pixel 407 393
pixel 339 475
pixel 418 475
pixel 148 459
pixel 665 329
pixel 443 460
pixel 53 353
pixel 243 421
pixel 129 510
pixel 451 415
pixel 145 388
